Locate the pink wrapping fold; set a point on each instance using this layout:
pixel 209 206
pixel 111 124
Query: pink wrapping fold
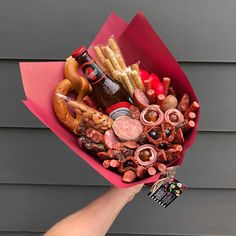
pixel 138 42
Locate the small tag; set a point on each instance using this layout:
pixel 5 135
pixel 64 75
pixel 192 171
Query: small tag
pixel 166 191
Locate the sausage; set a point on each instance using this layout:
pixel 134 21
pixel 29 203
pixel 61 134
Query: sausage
pixel 160 166
pixel 131 144
pixel 179 137
pixel 117 154
pixel 95 147
pixel 122 145
pixel 110 139
pixel 141 171
pixel 118 146
pixel 191 116
pixel 166 85
pixel 151 95
pixel 103 155
pixel 106 163
pixel 189 125
pixel 184 103
pixel 134 112
pixel 129 176
pixel 94 135
pixel 151 170
pixel 161 156
pixel 140 99
pixel 126 128
pixel 114 163
pixel 194 106
pixel 160 99
pixel 178 148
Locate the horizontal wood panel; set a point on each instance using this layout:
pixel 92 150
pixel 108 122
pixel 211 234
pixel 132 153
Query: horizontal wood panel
pixel 214 84
pixel 36 156
pixel 21 233
pixel 109 234
pixel 202 30
pixel 203 211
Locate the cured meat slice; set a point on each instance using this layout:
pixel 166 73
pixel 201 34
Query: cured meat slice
pixel 127 129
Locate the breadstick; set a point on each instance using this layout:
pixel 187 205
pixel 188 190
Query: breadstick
pixel 114 46
pixel 110 54
pixel 104 51
pixel 119 77
pixel 100 55
pixel 128 84
pixel 138 80
pixel 135 67
pixel 129 73
pixel 120 61
pixel 110 68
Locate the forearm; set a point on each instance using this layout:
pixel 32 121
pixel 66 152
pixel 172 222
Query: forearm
pixel 96 218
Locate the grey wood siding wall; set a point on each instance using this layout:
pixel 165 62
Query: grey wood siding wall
pixel 41 180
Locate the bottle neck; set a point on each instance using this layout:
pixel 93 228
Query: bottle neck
pixel 92 71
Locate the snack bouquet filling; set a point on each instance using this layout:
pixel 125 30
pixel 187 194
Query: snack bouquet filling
pixel 127 117
pixel 124 105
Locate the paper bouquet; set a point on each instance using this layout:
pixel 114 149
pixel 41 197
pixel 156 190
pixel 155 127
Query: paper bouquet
pixel 124 105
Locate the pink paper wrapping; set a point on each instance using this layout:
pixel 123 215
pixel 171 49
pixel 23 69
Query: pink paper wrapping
pixel 138 42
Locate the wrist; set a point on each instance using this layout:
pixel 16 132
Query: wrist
pixel 127 194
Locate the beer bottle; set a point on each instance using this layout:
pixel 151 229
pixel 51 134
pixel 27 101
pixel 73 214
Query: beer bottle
pixel 108 93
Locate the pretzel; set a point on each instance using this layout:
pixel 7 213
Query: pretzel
pixel 72 82
pixel 60 107
pixel 80 85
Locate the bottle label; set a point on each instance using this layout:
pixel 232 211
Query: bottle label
pixel 118 109
pixel 92 72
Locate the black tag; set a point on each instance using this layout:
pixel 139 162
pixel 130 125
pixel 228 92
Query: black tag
pixel 167 191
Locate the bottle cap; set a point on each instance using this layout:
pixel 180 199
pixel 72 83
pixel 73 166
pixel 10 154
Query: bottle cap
pixel 77 52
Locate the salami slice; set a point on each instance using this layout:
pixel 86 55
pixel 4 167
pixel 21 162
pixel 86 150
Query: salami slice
pixel 110 139
pixel 127 129
pixel 140 99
